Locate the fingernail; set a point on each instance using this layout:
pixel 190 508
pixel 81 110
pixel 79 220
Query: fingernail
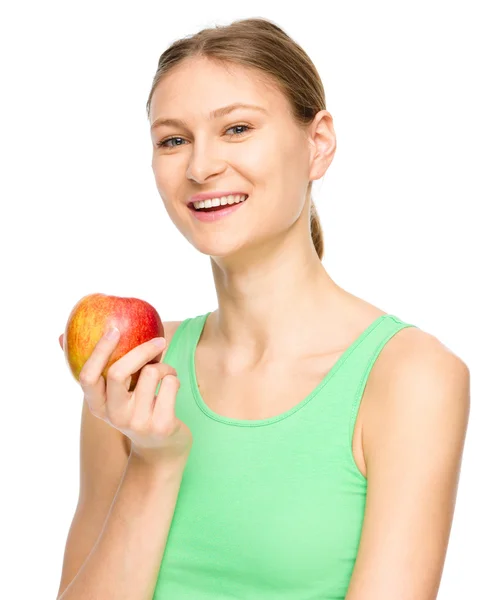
pixel 112 333
pixel 159 341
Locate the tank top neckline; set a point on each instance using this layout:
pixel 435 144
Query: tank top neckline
pixel 199 324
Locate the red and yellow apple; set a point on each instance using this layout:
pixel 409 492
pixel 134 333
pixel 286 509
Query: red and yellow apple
pixel 92 316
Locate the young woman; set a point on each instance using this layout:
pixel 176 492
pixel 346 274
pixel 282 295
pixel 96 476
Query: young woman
pixel 304 444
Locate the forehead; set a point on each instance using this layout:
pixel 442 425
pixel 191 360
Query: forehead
pixel 197 86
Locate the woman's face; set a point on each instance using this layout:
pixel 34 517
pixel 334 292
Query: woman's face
pixel 269 161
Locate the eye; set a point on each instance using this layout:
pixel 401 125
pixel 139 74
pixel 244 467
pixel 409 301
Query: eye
pixel 247 128
pixel 164 143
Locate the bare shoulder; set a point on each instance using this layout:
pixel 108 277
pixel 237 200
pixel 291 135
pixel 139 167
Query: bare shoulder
pixel 416 380
pixel 413 439
pixel 412 352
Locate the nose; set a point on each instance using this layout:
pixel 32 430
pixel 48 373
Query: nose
pixel 204 163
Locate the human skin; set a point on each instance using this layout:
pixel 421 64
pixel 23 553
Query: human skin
pixel 269 278
pixel 264 264
pixel 278 303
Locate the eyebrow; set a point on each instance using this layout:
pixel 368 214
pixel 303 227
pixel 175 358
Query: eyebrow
pixel 219 112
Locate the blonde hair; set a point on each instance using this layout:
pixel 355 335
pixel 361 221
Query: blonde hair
pixel 260 44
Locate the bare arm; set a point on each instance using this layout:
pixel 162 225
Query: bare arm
pixel 125 561
pixel 413 442
pixel 104 458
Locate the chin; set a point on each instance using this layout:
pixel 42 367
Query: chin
pixel 218 246
pixel 218 250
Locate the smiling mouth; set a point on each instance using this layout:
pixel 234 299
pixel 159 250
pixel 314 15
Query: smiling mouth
pixel 215 208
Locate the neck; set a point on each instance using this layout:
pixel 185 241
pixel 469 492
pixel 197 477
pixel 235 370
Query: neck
pixel 274 305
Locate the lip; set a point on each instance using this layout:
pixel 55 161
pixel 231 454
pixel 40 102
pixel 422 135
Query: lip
pixel 206 195
pixel 212 216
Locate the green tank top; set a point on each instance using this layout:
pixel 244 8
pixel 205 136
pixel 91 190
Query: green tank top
pixel 269 509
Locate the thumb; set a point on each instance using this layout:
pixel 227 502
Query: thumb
pixel 61 340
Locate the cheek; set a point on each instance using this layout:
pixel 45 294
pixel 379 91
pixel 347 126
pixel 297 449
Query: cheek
pixel 277 155
pixel 285 178
pixel 260 164
pixel 263 154
pixel 285 167
pixel 167 184
pixel 161 171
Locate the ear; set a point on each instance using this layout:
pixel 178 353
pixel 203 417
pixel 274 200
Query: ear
pixel 322 140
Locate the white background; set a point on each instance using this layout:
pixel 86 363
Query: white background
pixel 81 214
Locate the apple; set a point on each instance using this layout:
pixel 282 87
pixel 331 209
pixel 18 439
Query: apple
pixel 137 320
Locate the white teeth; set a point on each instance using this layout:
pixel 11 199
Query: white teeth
pixel 219 201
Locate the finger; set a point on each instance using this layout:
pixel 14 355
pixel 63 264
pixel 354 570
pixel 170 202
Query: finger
pixel 144 396
pixel 61 340
pixel 90 377
pixel 119 374
pixel 164 408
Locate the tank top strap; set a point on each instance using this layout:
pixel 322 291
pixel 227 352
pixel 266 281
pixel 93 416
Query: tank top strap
pixel 282 498
pixel 338 395
pixel 360 361
pixel 185 336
